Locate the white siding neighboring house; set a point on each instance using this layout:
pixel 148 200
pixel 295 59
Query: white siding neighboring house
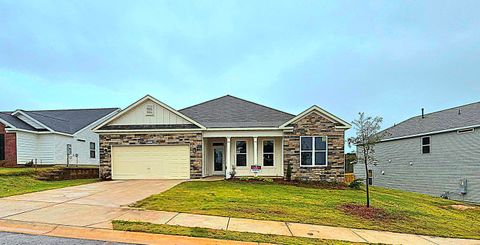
pixel 43 136
pixel 436 154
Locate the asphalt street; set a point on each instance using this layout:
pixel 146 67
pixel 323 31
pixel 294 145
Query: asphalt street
pixel 17 238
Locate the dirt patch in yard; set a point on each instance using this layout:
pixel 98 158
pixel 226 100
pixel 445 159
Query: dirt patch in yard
pixel 369 213
pixel 463 207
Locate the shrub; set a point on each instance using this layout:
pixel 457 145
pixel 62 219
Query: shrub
pixel 356 184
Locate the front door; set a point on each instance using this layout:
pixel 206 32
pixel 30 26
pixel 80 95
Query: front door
pixel 218 157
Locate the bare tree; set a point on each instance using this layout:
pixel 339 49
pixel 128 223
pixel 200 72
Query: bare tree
pixel 367 135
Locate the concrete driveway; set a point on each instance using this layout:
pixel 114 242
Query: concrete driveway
pixel 92 205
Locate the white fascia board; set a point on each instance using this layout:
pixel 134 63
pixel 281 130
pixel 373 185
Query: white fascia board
pixel 251 133
pixel 101 119
pixel 330 116
pixel 430 133
pixel 31 118
pixel 241 129
pixel 7 124
pixel 147 97
pixel 136 131
pixel 37 132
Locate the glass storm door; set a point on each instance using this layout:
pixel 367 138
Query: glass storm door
pixel 218 158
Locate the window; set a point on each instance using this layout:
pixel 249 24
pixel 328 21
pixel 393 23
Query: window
pixel 426 145
pixel 268 150
pixel 241 153
pixel 150 110
pixel 313 151
pixel 92 150
pixel 370 177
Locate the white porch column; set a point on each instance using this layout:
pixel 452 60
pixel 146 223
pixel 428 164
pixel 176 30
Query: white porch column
pixel 255 151
pixel 228 160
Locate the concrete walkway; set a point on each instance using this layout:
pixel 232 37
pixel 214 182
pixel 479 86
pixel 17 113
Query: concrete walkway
pixel 107 235
pixel 94 206
pixel 287 228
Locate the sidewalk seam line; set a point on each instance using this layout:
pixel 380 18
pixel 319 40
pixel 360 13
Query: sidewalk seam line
pixel 359 235
pixel 172 218
pixel 228 223
pixel 427 239
pixel 288 227
pixel 120 215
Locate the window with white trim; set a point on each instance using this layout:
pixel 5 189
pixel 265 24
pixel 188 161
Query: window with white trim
pixel 313 151
pixel 241 153
pixel 92 150
pixel 268 152
pixel 426 145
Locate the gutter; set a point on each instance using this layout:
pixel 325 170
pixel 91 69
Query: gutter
pixel 430 133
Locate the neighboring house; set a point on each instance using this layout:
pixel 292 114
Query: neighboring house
pixel 151 140
pixel 436 154
pixel 51 136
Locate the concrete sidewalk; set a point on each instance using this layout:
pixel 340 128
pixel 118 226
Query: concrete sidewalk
pixel 287 228
pixel 108 235
pixel 94 206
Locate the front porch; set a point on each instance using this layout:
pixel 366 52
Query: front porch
pixel 223 155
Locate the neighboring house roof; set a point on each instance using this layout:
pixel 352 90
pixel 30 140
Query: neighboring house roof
pixel 14 121
pixel 63 121
pixel 441 121
pixel 232 112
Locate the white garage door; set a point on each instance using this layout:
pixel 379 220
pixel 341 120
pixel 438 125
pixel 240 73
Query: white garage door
pixel 151 162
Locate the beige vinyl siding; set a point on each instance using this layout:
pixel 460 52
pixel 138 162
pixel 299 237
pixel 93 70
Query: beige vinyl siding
pixel 453 157
pixel 151 162
pixel 137 116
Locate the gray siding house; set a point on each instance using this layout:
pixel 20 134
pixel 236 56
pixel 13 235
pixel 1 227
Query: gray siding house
pixel 436 154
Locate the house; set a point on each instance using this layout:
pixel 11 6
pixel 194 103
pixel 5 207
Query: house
pixel 51 136
pixel 223 136
pixel 436 154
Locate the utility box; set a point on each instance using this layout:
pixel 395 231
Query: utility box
pixel 463 186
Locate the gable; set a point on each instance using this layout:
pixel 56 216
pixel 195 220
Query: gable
pixel 138 116
pixel 339 123
pixel 148 113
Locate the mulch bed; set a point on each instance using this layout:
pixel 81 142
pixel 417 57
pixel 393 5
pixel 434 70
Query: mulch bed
pixel 308 184
pixel 369 213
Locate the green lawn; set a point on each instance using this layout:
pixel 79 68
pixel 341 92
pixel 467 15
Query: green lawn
pixel 15 181
pixel 219 234
pixel 414 213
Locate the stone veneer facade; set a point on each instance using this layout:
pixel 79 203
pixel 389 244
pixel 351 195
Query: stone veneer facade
pixel 192 139
pixel 315 124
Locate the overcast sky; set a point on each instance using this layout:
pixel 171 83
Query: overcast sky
pixel 386 58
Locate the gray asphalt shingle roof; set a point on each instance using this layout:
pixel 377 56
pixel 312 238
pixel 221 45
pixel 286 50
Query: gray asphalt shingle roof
pixel 232 112
pixel 6 116
pixel 65 121
pixel 457 117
